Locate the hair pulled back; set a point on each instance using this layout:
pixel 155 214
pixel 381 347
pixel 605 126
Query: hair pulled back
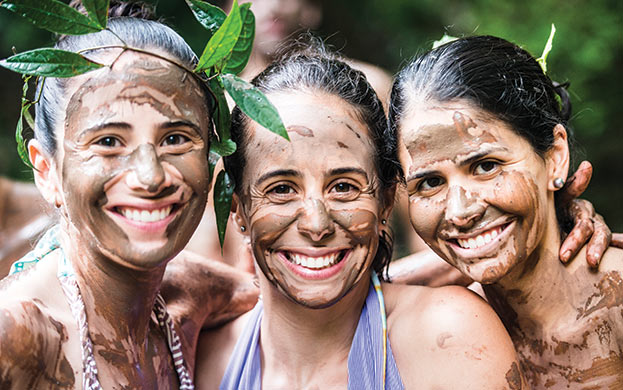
pixel 133 23
pixel 490 73
pixel 307 65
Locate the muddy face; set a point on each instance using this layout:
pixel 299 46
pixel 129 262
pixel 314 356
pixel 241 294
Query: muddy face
pixel 133 165
pixel 311 205
pixel 477 190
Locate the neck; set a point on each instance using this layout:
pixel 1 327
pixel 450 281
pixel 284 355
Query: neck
pixel 118 300
pixel 538 292
pixel 301 341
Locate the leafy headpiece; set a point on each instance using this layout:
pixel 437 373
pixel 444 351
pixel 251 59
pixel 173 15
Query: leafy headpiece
pixel 225 55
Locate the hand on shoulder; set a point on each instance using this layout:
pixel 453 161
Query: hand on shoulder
pixel 450 337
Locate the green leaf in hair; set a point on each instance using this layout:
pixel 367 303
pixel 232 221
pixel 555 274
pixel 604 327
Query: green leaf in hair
pixel 254 104
pixel 242 51
pixel 443 40
pixel 542 60
pixel 223 41
pixel 49 63
pixel 210 16
pixel 54 16
pixel 223 192
pixel 97 10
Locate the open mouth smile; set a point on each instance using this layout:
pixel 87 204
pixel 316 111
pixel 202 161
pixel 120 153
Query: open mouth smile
pixel 315 263
pixel 483 244
pixel 142 215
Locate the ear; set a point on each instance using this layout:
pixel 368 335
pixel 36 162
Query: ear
pixel 389 197
pixel 239 216
pixel 46 177
pixel 311 14
pixel 557 157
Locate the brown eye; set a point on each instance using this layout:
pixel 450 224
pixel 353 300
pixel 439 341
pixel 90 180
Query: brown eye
pixel 430 183
pixel 109 142
pixel 485 167
pixel 282 189
pixel 175 139
pixel 343 187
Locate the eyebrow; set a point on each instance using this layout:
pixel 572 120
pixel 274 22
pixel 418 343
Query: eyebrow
pixel 341 171
pixel 278 172
pixel 127 126
pixel 462 162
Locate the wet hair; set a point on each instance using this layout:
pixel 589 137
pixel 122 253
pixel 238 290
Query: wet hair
pixel 307 65
pixel 134 23
pixel 492 74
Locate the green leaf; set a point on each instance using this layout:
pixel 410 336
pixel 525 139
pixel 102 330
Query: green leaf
pixel 254 104
pixel 54 16
pixel 223 148
pixel 242 51
pixel 49 63
pixel 223 191
pixel 223 41
pixel 19 129
pixel 443 40
pixel 210 16
pixel 97 10
pixel 542 60
pixel 222 119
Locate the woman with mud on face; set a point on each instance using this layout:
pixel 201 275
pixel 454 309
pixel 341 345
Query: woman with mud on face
pixel 484 147
pixel 122 153
pixel 315 211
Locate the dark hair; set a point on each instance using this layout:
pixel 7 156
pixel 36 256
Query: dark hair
pixel 128 21
pixel 308 65
pixel 493 74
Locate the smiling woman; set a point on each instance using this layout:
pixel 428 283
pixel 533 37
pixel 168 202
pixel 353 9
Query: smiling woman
pixel 122 153
pixel 315 212
pixel 484 146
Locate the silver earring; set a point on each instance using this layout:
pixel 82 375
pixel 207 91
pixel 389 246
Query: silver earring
pixel 384 221
pixel 558 182
pixel 243 229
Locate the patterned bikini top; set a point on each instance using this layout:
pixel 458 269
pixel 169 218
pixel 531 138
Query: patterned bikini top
pixel 49 243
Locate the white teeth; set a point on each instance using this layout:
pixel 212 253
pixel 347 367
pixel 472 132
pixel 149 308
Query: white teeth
pixel 480 240
pixel 146 216
pixel 314 262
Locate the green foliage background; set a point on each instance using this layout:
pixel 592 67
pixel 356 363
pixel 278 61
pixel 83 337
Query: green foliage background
pixel 588 52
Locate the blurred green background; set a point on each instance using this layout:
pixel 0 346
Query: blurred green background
pixel 588 52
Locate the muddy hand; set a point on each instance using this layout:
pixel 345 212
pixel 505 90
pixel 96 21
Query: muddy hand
pixel 588 226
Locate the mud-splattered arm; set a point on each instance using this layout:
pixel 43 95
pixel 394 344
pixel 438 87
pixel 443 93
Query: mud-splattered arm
pixel 204 293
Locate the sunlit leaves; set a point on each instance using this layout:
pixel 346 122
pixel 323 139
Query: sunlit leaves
pixel 97 10
pixel 223 192
pixel 223 41
pixel 19 129
pixel 210 16
pixel 54 16
pixel 242 50
pixel 254 104
pixel 49 63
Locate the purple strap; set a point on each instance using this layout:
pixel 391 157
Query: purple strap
pixel 365 359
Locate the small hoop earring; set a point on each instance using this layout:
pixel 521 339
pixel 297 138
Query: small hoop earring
pixel 558 183
pixel 243 229
pixel 384 221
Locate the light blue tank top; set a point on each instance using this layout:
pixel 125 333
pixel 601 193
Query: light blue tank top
pixel 365 359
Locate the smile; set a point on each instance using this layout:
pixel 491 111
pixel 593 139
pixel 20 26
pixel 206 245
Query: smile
pixel 315 263
pixel 142 215
pixel 480 240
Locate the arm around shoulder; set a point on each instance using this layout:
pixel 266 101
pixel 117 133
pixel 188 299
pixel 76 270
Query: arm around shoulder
pixel 450 338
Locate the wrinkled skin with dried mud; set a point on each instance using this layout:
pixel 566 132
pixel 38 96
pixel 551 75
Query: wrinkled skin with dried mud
pixel 130 178
pixel 483 200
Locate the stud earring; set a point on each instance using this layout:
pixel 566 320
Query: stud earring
pixel 243 229
pixel 383 221
pixel 558 183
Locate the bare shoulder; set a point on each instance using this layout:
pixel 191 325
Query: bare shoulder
pixel 450 337
pixel 214 350
pixel 612 261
